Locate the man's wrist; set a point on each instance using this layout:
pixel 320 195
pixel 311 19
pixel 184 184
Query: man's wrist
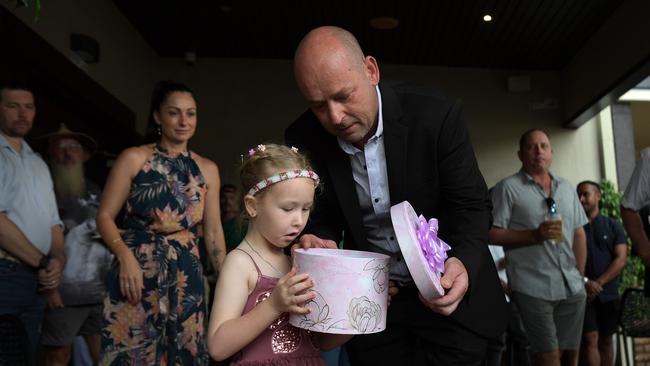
pixel 60 258
pixel 44 261
pixel 536 236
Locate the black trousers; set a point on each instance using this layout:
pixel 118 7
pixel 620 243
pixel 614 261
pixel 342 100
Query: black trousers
pixel 512 347
pixel 415 335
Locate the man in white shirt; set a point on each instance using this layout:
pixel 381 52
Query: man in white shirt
pixel 31 234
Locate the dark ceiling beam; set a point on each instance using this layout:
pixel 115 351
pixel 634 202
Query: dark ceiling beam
pixel 611 94
pixel 524 35
pixel 613 60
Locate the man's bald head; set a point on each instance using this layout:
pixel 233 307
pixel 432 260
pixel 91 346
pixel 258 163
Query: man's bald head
pixel 325 43
pixel 339 83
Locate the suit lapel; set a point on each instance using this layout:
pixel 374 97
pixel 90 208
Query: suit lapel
pixel 395 140
pixel 395 144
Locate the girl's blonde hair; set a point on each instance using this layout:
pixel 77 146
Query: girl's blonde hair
pixel 267 160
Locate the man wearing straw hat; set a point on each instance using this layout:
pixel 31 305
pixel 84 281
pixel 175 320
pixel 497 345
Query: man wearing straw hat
pixel 75 307
pixel 31 234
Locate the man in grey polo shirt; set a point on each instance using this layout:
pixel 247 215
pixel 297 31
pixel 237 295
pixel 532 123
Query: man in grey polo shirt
pixel 546 276
pixel 31 234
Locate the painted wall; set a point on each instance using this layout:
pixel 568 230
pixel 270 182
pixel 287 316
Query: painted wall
pixel 241 103
pixel 608 149
pixel 128 67
pixel 245 102
pixel 250 101
pixel 641 122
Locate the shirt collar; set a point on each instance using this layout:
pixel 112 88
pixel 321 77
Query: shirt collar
pixel 350 149
pixel 4 143
pixel 528 177
pixel 598 217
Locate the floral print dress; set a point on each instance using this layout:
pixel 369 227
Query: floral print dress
pixel 167 327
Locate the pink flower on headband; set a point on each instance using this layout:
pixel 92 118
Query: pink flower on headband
pixel 294 149
pixel 251 152
pixel 261 147
pixel 290 174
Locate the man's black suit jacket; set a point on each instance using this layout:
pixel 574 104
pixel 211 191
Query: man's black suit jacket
pixel 430 163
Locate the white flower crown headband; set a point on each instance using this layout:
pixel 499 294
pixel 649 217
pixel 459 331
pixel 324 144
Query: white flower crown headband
pixel 289 174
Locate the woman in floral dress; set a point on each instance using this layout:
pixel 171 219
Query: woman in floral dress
pixel 154 312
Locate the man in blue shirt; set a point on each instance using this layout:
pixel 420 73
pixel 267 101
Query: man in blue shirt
pixel 31 233
pixel 606 254
pixel 545 260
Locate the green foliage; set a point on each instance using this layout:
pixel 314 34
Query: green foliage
pixel 610 206
pixel 610 200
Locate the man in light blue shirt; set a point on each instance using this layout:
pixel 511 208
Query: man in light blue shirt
pixel 31 233
pixel 546 260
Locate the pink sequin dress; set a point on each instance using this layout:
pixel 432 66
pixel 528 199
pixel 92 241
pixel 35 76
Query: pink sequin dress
pixel 281 343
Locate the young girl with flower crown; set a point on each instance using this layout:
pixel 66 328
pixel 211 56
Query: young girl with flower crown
pixel 258 287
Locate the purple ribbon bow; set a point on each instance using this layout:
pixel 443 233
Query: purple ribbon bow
pixel 433 248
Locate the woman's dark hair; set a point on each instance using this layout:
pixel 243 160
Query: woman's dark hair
pixel 160 93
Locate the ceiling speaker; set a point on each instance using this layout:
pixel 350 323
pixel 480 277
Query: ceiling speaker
pixel 85 47
pixel 519 84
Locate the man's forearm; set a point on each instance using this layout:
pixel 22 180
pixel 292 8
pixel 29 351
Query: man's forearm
pixel 612 271
pixel 511 239
pixel 634 228
pixel 14 242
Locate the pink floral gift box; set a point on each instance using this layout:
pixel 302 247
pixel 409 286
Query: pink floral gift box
pixel 351 291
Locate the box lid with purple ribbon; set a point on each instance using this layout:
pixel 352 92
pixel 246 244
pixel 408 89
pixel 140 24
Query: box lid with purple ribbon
pixel 423 251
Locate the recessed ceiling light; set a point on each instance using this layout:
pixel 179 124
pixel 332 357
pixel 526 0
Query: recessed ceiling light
pixel 487 18
pixel 384 23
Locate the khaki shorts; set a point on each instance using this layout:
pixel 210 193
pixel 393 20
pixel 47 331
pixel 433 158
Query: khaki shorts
pixel 60 326
pixel 552 325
